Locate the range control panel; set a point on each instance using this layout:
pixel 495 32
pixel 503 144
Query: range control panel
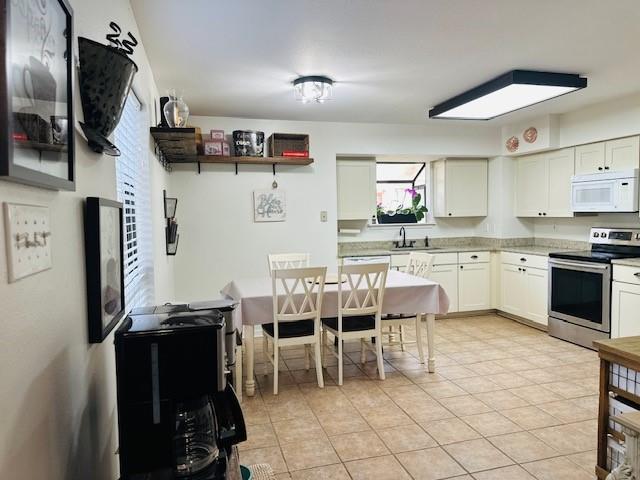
pixel 615 236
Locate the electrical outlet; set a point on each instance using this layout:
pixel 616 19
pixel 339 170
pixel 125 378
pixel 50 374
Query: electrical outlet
pixel 323 216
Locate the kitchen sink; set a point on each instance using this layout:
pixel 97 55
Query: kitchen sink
pixel 413 249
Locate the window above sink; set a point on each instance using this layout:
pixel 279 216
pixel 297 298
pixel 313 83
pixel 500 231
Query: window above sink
pixel 401 193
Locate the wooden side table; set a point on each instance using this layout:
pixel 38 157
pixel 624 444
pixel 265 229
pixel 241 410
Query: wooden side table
pixel 619 393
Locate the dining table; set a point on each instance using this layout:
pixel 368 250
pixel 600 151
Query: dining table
pixel 404 294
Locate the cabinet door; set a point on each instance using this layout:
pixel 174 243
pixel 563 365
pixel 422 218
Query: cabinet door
pixel 474 287
pixel 560 169
pixel 625 305
pixel 439 201
pixel 537 294
pixel 466 187
pixel 622 154
pixel 447 277
pixel 531 186
pixel 513 289
pixel 356 181
pixel 590 158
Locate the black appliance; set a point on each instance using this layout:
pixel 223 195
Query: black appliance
pixel 580 285
pixel 178 417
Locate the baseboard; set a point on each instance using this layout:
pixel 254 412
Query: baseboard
pixel 473 313
pixel 522 320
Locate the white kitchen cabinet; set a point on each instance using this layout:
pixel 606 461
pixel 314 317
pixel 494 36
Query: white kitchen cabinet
pixel 531 181
pixel 622 154
pixel 460 187
pixel 524 286
pixel 589 158
pixel 399 262
pixel 537 295
pixel 612 155
pixel 513 290
pixel 560 169
pixel 543 184
pixel 625 301
pixel 474 287
pixel 625 305
pixel 356 183
pixel 447 277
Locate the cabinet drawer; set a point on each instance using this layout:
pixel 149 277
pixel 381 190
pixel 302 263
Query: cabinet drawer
pixel 533 261
pixel 399 260
pixel 473 257
pixel 626 274
pixel 445 258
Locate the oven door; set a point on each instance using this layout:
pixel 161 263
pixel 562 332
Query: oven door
pixel 580 293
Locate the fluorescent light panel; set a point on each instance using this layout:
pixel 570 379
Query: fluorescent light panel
pixel 507 93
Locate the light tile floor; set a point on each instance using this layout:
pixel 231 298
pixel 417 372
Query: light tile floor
pixel 507 402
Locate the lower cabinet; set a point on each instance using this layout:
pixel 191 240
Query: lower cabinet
pixel 514 290
pixel 447 277
pixel 474 287
pixel 625 305
pixel 466 277
pixel 525 289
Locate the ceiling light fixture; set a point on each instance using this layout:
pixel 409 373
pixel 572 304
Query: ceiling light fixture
pixel 509 92
pixel 313 88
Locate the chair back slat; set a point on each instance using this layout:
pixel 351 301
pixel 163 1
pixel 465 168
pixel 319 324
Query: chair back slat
pixel 297 293
pixel 420 264
pixel 279 261
pixel 366 284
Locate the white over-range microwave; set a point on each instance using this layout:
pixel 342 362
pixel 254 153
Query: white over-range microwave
pixel 605 192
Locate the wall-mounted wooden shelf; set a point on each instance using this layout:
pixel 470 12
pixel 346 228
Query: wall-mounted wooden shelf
pixel 178 145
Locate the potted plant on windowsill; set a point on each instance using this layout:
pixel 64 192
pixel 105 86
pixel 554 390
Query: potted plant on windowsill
pixel 413 214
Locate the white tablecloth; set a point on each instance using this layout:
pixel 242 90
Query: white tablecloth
pixel 404 293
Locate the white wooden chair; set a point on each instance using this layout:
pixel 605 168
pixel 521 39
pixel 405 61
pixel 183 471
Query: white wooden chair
pixel 359 311
pixel 288 260
pixel 297 301
pixel 419 264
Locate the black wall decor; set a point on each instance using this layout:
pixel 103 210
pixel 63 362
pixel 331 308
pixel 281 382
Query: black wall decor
pixel 106 74
pixel 171 230
pixel 36 98
pixel 104 251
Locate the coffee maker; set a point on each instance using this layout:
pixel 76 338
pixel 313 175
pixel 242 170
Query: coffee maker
pixel 178 417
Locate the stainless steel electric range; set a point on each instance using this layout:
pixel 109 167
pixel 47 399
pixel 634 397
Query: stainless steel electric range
pixel 580 285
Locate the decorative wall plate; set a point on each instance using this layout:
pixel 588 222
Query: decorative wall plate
pixel 512 144
pixel 530 135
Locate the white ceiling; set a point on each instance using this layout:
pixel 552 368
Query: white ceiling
pixel 391 59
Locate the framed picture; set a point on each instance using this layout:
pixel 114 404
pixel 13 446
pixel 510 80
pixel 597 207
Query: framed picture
pixel 269 206
pixel 105 273
pixel 36 100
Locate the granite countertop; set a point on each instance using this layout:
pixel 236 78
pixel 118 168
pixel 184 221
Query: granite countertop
pixel 629 262
pixel 360 251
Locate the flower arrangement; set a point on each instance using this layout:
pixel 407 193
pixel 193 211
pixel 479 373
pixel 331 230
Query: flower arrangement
pixel 415 209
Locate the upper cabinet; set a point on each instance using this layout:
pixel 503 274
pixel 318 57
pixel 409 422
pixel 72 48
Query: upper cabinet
pixel 609 156
pixel 460 187
pixel 543 184
pixel 356 181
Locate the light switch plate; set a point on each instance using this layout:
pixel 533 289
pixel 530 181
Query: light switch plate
pixel 323 216
pixel 28 239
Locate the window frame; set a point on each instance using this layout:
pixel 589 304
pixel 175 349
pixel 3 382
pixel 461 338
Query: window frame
pixel 428 218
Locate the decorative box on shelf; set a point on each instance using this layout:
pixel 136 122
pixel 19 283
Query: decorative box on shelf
pixel 288 145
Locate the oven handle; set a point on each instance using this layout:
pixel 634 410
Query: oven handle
pixel 580 265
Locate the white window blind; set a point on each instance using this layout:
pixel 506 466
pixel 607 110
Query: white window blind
pixel 132 172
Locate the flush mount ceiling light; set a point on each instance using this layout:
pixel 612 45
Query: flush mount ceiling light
pixel 509 92
pixel 314 88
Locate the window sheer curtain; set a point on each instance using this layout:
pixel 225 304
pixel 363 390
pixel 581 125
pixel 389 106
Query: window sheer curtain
pixel 132 174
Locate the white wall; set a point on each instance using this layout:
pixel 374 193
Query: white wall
pixel 501 221
pixel 220 241
pixel 57 392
